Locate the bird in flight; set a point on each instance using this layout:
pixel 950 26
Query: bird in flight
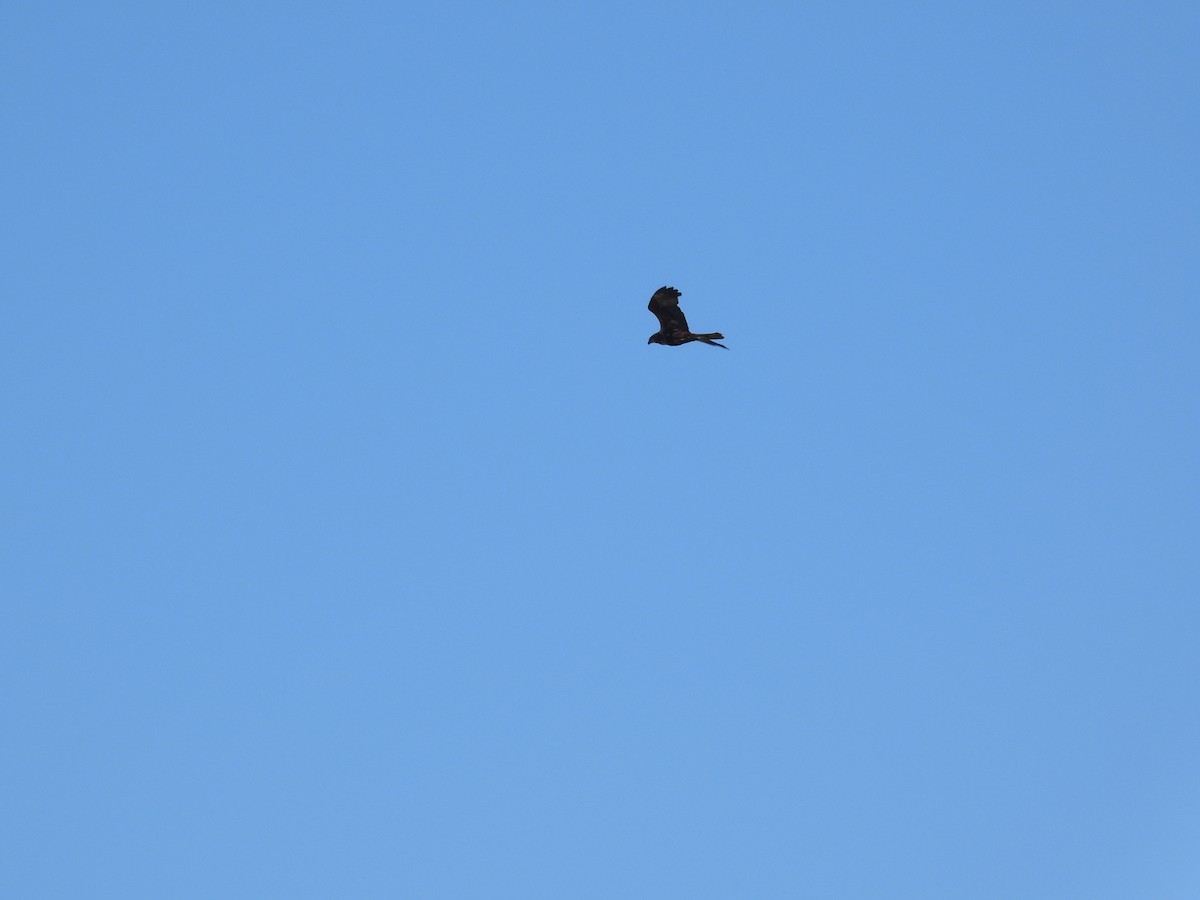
pixel 673 327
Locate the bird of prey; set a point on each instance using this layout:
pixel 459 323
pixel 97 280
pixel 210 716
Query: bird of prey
pixel 673 329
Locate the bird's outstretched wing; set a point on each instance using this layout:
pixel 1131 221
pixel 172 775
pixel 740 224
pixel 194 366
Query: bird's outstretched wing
pixel 665 306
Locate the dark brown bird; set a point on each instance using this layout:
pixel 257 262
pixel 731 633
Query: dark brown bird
pixel 673 329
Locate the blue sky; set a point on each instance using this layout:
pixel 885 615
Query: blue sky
pixel 357 545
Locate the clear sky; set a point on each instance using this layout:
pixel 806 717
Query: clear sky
pixel 357 545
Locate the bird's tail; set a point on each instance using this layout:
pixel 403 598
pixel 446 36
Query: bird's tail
pixel 712 339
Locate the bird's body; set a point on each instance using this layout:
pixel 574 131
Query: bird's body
pixel 673 326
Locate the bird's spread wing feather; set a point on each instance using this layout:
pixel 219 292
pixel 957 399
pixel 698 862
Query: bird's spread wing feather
pixel 665 306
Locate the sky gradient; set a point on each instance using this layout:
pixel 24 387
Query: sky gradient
pixel 357 545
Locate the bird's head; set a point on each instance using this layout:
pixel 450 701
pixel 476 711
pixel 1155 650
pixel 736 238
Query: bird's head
pixel 655 338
